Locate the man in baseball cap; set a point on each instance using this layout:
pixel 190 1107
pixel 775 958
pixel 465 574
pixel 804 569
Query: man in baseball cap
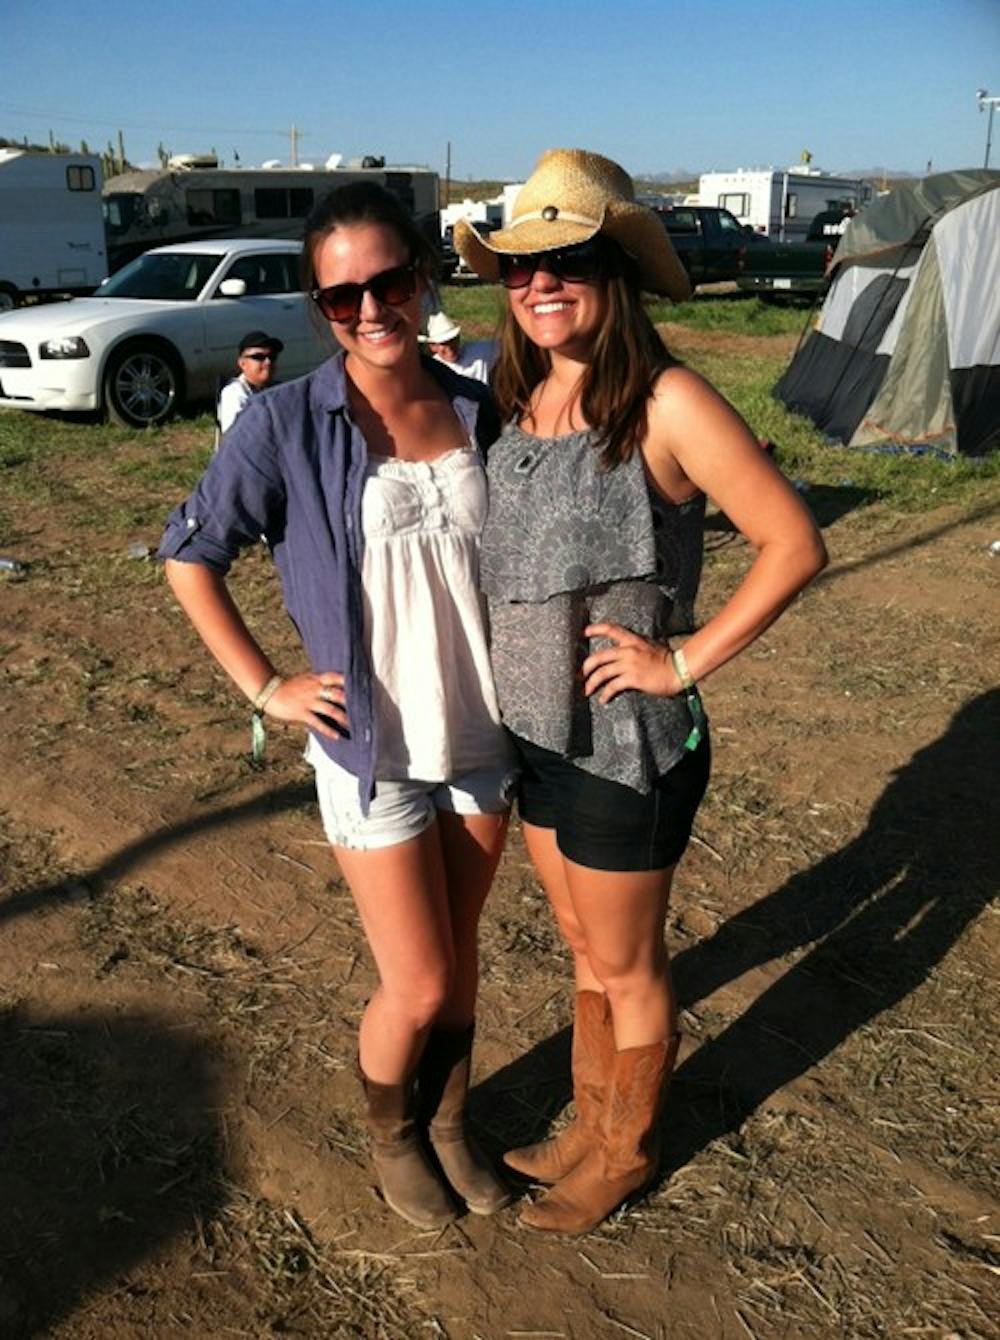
pixel 257 362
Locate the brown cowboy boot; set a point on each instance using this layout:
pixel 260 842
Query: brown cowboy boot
pixel 627 1155
pixel 409 1184
pixel 442 1088
pixel 593 1056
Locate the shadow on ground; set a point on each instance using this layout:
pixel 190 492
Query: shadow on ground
pixel 827 502
pixel 24 902
pixel 111 1149
pixel 875 918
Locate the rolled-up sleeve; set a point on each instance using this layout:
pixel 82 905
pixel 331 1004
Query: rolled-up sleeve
pixel 240 497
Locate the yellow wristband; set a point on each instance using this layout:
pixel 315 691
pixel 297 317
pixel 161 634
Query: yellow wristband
pixel 267 693
pixel 681 670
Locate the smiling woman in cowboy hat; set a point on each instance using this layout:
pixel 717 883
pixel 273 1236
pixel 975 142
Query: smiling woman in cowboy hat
pixel 591 556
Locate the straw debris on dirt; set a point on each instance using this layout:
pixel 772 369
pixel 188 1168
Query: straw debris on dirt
pixel 183 973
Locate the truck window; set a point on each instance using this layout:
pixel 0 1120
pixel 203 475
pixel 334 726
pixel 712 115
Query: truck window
pixel 80 178
pixel 208 206
pixel 728 224
pixel 680 220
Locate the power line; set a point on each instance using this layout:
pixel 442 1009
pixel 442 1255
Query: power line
pixel 53 118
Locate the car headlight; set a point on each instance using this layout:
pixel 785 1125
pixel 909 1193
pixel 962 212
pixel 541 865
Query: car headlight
pixel 64 346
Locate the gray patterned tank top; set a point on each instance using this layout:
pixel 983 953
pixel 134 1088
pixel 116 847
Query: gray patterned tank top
pixel 567 544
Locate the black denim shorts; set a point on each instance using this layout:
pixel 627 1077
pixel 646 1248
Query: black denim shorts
pixel 604 825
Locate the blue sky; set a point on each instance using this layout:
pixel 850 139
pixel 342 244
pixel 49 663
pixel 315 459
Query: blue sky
pixel 658 86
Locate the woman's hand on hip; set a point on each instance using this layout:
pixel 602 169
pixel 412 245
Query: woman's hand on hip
pixel 633 662
pixel 312 700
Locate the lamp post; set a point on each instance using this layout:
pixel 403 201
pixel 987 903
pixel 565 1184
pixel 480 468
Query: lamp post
pixel 985 101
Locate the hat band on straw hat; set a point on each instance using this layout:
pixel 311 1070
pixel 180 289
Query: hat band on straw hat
pixel 551 212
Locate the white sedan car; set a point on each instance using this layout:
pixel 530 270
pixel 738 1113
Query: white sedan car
pixel 160 332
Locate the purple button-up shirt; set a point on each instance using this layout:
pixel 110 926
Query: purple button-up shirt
pixel 291 468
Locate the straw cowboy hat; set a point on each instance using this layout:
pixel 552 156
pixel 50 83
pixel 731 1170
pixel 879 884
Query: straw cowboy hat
pixel 570 197
pixel 441 329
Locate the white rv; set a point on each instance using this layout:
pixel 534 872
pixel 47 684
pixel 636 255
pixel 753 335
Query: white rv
pixel 193 198
pixel 781 203
pixel 51 228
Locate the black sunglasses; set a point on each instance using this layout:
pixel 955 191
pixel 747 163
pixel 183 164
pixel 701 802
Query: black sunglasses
pixel 580 264
pixel 261 358
pixel 342 302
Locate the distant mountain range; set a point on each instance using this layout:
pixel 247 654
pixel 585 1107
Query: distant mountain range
pixel 690 174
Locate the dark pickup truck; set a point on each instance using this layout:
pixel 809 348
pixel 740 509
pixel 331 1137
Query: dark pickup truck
pixel 711 243
pixel 779 268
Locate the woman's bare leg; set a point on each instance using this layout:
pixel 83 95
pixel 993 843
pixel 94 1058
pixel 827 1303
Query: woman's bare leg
pixel 419 904
pixel 470 848
pixel 622 916
pixel 613 922
pixel 550 865
pixel 402 901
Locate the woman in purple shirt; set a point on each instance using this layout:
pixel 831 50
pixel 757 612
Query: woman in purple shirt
pixel 366 478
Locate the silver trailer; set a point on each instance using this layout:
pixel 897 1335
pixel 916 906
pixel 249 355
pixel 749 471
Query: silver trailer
pixel 188 203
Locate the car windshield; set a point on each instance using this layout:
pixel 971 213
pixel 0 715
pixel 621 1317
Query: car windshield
pixel 170 275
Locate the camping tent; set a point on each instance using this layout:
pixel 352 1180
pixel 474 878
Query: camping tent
pixel 906 350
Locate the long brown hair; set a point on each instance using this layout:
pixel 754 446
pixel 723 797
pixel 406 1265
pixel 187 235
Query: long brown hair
pixel 626 359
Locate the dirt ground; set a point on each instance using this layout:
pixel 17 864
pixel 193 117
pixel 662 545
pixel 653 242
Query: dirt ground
pixel 182 977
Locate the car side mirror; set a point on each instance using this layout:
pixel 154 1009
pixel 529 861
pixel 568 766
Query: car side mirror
pixel 233 288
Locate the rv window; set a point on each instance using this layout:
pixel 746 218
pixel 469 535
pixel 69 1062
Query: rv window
pixel 207 206
pixel 401 185
pixel 281 203
pixel 80 178
pixel 737 202
pixel 119 212
pixel 270 204
pixel 792 206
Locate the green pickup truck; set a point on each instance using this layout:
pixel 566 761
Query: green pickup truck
pixel 776 269
pixel 711 243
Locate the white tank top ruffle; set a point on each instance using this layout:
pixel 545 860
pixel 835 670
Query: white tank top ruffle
pixel 425 619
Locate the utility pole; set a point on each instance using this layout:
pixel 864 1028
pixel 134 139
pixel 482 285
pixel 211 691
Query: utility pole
pixel 985 101
pixel 447 176
pixel 294 159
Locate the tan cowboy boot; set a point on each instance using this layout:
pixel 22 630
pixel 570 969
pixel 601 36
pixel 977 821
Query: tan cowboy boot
pixel 442 1089
pixel 593 1056
pixel 409 1184
pixel 627 1155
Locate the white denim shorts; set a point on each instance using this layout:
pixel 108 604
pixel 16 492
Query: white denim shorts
pixel 401 810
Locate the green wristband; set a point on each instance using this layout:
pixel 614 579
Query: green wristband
pixel 258 736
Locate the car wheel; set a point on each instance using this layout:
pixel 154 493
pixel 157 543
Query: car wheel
pixel 141 387
pixel 8 297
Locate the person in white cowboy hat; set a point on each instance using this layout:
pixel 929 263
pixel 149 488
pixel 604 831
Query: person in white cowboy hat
pixel 444 340
pixel 592 544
